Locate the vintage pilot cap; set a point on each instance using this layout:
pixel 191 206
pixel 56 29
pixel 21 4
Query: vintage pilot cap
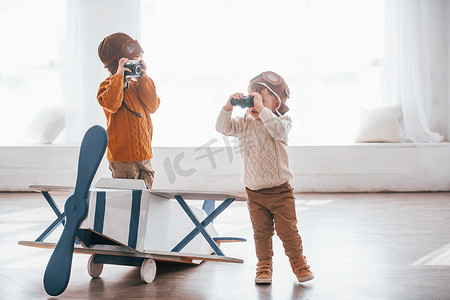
pixel 276 85
pixel 118 45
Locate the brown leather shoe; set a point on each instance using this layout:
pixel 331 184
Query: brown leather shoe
pixel 264 271
pixel 301 269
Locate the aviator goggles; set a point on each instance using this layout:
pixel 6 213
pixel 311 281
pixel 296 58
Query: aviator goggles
pixel 130 49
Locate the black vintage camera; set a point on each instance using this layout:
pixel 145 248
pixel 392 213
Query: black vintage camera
pixel 136 68
pixel 247 101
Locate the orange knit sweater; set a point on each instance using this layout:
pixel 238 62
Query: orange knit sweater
pixel 129 137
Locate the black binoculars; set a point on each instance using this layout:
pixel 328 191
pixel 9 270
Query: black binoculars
pixel 247 101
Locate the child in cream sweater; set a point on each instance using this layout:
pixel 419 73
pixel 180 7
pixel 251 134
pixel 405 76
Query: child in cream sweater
pixel 263 137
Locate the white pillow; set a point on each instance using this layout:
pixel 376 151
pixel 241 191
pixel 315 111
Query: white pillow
pixel 47 124
pixel 380 124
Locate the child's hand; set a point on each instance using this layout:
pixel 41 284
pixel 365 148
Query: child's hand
pixel 143 69
pixel 228 106
pixel 257 100
pixel 121 68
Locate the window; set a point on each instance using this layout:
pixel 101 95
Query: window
pixel 200 52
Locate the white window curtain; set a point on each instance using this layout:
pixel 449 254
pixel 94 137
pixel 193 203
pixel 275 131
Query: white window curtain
pixel 417 66
pixel 31 35
pixel 89 22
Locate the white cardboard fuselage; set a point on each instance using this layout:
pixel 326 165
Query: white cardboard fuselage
pixel 162 222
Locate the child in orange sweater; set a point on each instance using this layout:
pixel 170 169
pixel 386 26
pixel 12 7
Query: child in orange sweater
pixel 127 104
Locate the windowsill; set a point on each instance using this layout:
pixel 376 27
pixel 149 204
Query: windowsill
pixel 317 168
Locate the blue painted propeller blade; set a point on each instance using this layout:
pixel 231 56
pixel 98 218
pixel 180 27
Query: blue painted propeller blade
pixel 57 273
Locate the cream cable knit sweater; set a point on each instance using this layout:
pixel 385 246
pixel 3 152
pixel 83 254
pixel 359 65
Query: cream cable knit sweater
pixel 263 147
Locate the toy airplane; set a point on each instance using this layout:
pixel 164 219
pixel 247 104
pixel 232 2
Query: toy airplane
pixel 133 227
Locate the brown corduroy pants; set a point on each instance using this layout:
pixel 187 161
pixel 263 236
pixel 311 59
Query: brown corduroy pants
pixel 274 208
pixel 133 170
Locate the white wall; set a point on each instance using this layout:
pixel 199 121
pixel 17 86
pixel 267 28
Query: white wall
pixel 351 168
